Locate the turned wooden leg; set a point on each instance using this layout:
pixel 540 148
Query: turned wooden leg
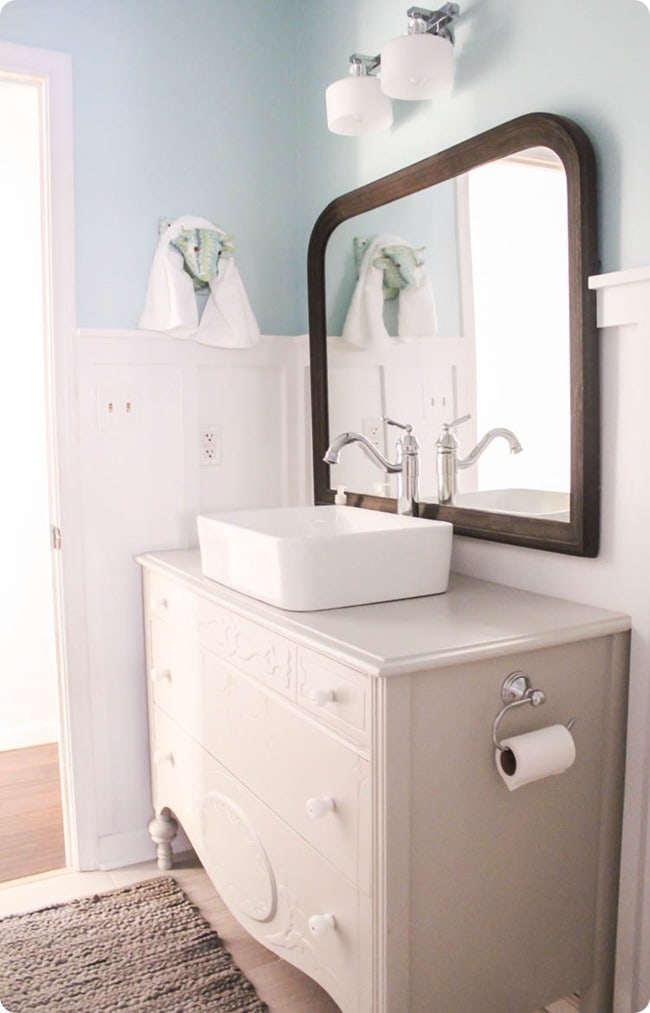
pixel 163 829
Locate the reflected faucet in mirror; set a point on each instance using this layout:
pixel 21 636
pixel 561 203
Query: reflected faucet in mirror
pixel 448 462
pixel 406 465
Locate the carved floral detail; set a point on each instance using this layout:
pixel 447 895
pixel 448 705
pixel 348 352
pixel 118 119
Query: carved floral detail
pixel 255 893
pixel 272 658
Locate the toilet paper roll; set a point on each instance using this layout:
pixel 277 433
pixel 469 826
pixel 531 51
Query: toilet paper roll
pixel 535 755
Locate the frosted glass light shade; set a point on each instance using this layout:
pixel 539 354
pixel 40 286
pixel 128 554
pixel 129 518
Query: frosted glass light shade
pixel 417 66
pixel 356 106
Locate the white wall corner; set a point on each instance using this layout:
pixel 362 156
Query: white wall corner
pixel 623 297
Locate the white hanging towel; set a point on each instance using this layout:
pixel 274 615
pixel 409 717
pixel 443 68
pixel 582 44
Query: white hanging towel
pixel 227 320
pixel 364 323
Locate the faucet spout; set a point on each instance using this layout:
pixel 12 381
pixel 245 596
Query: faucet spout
pixel 333 452
pixel 406 466
pixel 448 462
pixel 492 434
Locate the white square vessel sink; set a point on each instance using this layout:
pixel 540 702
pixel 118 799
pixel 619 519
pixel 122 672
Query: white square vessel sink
pixel 320 557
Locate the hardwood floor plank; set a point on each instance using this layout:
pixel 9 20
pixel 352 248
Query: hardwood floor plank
pixel 31 813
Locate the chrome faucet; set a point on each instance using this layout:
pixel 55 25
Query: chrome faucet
pixel 406 465
pixel 448 461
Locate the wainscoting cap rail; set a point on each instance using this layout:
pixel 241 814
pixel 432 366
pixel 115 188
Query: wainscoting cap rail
pixel 623 297
pixel 627 277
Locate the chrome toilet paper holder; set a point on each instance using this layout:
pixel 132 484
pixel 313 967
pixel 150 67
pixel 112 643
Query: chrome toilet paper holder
pixel 517 689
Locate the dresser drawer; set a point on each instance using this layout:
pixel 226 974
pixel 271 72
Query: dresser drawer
pixel 314 781
pixel 175 672
pixel 334 694
pixel 278 887
pixel 258 652
pixel 173 603
pixel 318 784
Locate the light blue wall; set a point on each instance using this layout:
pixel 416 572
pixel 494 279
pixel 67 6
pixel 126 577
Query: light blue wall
pixel 217 108
pixel 585 59
pixel 181 107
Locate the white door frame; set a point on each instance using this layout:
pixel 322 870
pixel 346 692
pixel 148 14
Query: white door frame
pixel 53 72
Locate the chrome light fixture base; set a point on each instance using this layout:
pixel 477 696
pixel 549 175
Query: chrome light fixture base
pixel 436 22
pixel 419 65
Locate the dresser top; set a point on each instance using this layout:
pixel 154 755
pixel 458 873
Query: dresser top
pixel 475 619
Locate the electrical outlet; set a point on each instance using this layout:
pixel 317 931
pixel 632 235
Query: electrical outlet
pixel 438 397
pixel 373 428
pixel 118 408
pixel 210 446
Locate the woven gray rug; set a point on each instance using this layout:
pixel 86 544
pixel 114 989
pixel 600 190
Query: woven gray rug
pixel 145 947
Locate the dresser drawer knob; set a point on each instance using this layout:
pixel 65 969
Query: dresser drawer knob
pixel 320 925
pixel 321 697
pixel 160 757
pixel 160 675
pixel 319 807
pixel 158 604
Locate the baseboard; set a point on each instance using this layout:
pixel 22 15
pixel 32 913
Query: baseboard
pixel 23 736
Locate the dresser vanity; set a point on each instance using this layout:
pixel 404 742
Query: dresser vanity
pixel 335 774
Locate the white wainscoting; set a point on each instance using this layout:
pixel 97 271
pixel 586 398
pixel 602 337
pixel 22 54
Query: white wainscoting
pixel 142 487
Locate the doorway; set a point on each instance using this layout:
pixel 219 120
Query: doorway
pixel 32 831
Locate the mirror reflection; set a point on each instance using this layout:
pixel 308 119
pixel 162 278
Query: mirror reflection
pixel 448 310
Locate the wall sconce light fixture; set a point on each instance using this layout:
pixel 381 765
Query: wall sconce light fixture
pixel 356 104
pixel 419 65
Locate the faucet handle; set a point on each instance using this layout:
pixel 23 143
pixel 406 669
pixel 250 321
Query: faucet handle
pixel 398 425
pixel 447 442
pixel 456 422
pixel 406 444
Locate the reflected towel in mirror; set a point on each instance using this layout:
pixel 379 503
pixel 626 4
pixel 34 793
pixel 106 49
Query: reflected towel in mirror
pixel 364 324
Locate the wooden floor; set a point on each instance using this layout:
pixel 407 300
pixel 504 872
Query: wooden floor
pixel 31 817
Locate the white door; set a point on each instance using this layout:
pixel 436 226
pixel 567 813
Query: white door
pixel 42 587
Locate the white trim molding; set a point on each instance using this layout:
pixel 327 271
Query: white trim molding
pixel 623 297
pixel 53 72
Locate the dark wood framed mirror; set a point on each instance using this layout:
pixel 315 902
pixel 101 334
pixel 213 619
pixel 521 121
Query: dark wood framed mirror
pixel 504 227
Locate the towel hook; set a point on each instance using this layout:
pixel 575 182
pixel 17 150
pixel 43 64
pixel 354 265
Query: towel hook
pixel 517 689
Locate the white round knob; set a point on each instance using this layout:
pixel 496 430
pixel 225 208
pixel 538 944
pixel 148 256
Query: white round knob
pixel 158 603
pixel 319 925
pixel 160 757
pixel 160 674
pixel 320 697
pixel 319 807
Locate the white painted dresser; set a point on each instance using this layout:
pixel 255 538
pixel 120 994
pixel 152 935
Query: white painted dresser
pixel 335 773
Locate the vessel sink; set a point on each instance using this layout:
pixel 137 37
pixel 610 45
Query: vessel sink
pixel 320 557
pixel 527 502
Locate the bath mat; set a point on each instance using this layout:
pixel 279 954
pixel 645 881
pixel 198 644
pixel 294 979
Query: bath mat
pixel 144 947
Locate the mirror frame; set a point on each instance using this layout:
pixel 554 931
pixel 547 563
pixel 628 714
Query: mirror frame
pixel 580 535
